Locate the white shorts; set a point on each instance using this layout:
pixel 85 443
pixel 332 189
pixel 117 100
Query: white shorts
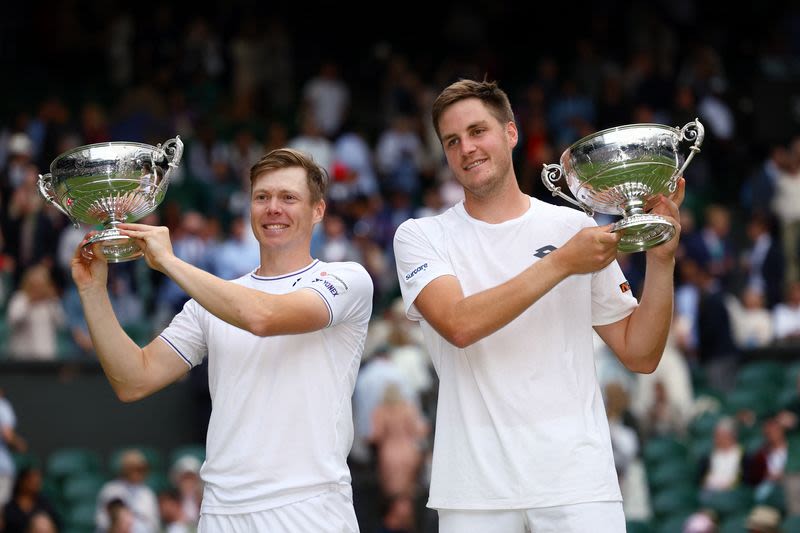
pixel 597 517
pixel 331 512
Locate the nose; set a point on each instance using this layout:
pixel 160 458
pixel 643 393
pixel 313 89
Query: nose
pixel 273 205
pixel 467 146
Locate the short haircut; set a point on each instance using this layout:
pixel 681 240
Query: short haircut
pixel 316 176
pixel 492 96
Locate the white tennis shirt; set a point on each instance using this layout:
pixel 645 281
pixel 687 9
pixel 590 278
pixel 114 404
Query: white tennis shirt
pixel 520 419
pixel 281 424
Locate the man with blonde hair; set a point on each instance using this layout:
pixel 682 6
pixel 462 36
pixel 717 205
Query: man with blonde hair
pixel 283 342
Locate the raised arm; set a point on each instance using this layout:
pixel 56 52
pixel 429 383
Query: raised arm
pixel 259 313
pixel 639 339
pixel 465 320
pixel 133 372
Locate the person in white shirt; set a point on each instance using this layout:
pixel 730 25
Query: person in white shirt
pixel 283 342
pixel 507 289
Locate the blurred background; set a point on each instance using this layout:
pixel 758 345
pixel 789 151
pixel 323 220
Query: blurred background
pixel 709 442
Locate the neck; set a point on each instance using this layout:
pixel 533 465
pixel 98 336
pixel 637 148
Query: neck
pixel 278 262
pixel 499 206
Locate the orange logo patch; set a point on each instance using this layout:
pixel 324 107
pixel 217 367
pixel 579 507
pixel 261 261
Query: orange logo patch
pixel 625 286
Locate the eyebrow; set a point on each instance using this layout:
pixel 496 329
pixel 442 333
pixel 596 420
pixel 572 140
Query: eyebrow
pixel 280 191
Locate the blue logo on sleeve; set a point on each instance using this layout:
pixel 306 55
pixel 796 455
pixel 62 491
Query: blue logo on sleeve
pixel 416 271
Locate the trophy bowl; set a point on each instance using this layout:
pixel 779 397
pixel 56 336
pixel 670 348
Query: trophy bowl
pixel 109 184
pixel 618 170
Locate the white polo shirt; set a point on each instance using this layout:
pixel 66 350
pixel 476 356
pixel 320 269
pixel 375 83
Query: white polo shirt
pixel 520 421
pixel 281 424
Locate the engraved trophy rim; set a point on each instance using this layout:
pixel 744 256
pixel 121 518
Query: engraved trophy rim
pixel 606 131
pixel 109 144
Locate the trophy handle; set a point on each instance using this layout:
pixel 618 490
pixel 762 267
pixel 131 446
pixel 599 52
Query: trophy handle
pixel 45 184
pixel 550 175
pixel 174 148
pixel 693 131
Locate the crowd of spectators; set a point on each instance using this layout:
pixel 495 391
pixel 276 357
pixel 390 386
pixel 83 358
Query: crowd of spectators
pixel 236 85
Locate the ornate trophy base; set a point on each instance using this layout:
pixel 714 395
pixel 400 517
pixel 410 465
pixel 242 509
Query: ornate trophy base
pixel 642 231
pixel 116 247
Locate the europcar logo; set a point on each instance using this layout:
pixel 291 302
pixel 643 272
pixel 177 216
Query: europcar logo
pixel 416 271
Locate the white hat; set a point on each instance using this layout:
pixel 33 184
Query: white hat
pixel 20 144
pixel 188 464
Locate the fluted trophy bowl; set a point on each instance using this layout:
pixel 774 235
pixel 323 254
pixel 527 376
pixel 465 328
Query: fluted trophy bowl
pixel 618 170
pixel 111 183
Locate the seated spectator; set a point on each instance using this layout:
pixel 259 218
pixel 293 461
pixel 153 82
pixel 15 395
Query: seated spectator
pixel 133 494
pixel 185 477
pixel 34 316
pixel 763 519
pixel 723 469
pixel 27 502
pixel 751 321
pixel 766 467
pixel 171 511
pixel 786 316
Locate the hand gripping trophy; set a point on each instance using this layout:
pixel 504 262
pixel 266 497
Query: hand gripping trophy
pixel 616 171
pixel 109 184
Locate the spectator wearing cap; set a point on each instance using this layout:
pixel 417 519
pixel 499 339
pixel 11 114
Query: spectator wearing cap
pixel 185 477
pixel 130 488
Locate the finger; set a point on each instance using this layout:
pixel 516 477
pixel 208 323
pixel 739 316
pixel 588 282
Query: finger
pixel 680 192
pixel 97 251
pixel 135 226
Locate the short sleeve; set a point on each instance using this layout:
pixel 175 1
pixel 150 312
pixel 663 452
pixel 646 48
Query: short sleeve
pixel 185 334
pixel 612 297
pixel 418 263
pixel 346 288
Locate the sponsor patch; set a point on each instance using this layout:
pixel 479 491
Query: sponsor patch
pixel 624 286
pixel 423 267
pixel 544 250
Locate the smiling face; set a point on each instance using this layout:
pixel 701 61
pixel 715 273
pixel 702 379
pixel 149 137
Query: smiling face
pixel 282 212
pixel 478 146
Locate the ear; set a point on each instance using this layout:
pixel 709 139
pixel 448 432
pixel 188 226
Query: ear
pixel 512 133
pixel 319 212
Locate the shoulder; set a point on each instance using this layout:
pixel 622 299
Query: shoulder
pixel 429 226
pixel 343 275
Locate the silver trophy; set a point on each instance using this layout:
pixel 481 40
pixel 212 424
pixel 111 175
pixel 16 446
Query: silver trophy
pixel 108 184
pixel 616 171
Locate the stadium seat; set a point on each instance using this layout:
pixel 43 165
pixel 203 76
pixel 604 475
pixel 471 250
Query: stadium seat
pixel 673 523
pixel 65 462
pixel 82 488
pixel 729 502
pixel 760 374
pixel 81 518
pixel 670 473
pixel 637 526
pixel 673 501
pixel 791 524
pixel 734 524
pixel 660 449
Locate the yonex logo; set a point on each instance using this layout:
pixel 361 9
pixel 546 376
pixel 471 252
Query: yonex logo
pixel 544 250
pixel 416 271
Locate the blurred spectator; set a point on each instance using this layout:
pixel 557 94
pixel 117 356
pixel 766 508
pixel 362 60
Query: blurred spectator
pixel 42 523
pixel 751 321
pixel 237 255
pixel 27 501
pixel 311 140
pixel 700 522
pixel 399 155
pixel 352 150
pixel 766 468
pixel 758 190
pixel 172 515
pixel 336 245
pixel 712 245
pixel 398 430
pixel 9 440
pixel 185 477
pixel 326 97
pixel 662 400
pixel 377 372
pixel 762 260
pixel 723 468
pixel 786 316
pixel 397 515
pixel 624 439
pixel 786 206
pixel 135 497
pixel 35 316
